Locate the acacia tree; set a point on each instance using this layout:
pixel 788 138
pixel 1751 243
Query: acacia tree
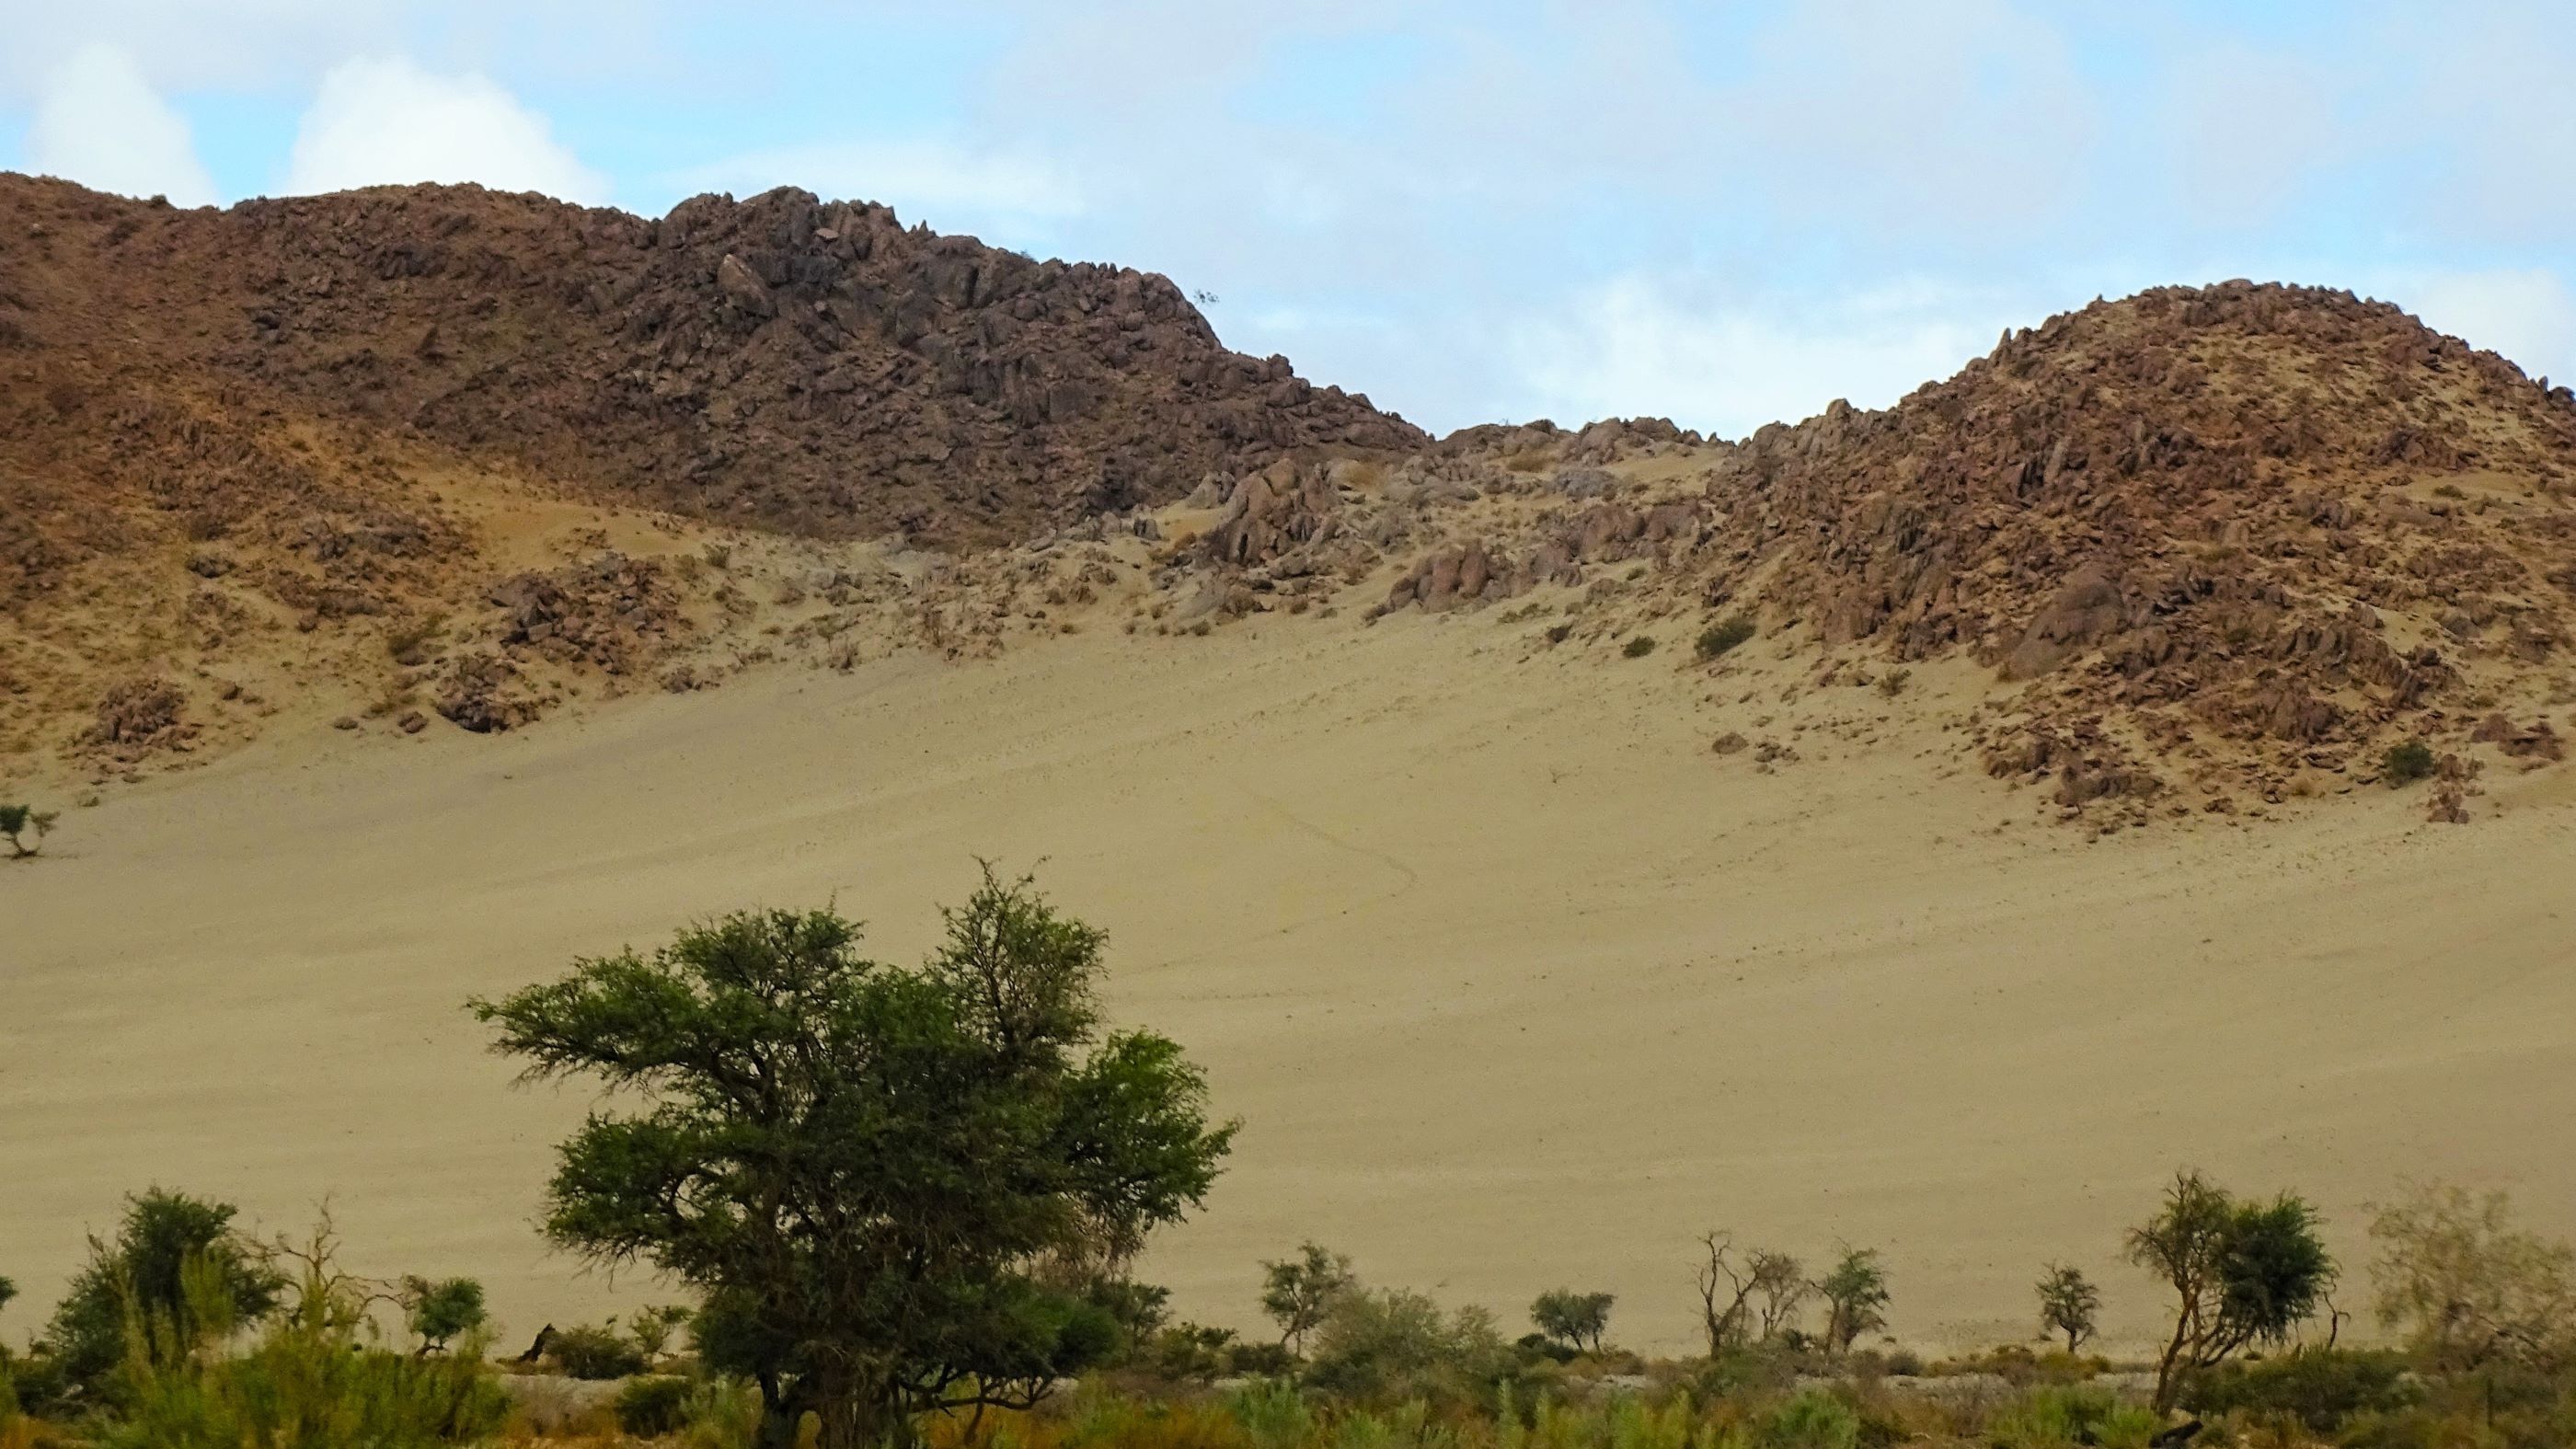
pixel 2068 1304
pixel 864 1167
pixel 1856 1298
pixel 1749 1298
pixel 437 1312
pixel 1298 1292
pixel 1576 1320
pixel 141 1278
pixel 2243 1273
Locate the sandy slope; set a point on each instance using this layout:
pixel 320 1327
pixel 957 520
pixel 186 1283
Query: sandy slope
pixel 1514 982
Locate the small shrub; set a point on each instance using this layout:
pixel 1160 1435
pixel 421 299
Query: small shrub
pixel 722 1413
pixel 1639 647
pixel 18 822
pixel 585 1352
pixel 1721 637
pixel 1559 633
pixel 1813 1419
pixel 2407 763
pixel 1261 1360
pixel 650 1408
pixel 2321 1388
pixel 1893 682
pixel 1273 1415
pixel 2059 1415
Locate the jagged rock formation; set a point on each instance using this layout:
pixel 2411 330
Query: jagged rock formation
pixel 810 366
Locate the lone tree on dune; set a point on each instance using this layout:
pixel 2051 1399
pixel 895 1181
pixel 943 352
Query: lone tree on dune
pixel 1299 1292
pixel 438 1312
pixel 1856 1298
pixel 1576 1320
pixel 1748 1299
pixel 2068 1304
pixel 875 1174
pixel 2243 1273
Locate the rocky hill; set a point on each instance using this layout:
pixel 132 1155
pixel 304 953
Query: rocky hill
pixel 434 452
pixel 2216 538
pixel 216 423
pixel 814 367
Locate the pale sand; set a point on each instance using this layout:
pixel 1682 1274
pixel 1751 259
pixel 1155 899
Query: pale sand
pixel 1513 982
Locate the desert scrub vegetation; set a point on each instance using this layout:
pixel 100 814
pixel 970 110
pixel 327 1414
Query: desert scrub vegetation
pixel 1722 637
pixel 907 1203
pixel 25 828
pixel 1638 647
pixel 2406 763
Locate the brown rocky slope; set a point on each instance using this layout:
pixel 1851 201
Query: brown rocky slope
pixel 2198 549
pixel 2219 537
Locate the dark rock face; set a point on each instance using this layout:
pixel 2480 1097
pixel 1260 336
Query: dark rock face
pixel 809 366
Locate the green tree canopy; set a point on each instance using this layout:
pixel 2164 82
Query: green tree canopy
pixel 1856 1298
pixel 148 1263
pixel 1297 1292
pixel 2068 1304
pixel 1576 1320
pixel 2243 1273
pixel 437 1312
pixel 874 1173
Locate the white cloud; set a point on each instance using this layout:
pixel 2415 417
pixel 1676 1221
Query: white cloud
pixel 952 187
pixel 1635 347
pixel 388 122
pixel 100 123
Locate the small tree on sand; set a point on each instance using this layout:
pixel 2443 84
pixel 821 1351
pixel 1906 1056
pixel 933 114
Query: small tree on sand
pixel 1299 1291
pixel 20 822
pixel 1856 1298
pixel 1575 1320
pixel 869 1170
pixel 1747 1296
pixel 2243 1273
pixel 438 1312
pixel 2068 1304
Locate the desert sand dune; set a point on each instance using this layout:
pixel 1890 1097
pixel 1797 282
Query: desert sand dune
pixel 1514 982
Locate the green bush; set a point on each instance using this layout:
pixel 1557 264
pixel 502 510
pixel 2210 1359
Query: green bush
pixel 1813 1419
pixel 2407 763
pixel 312 1380
pixel 2321 1388
pixel 1639 647
pixel 650 1408
pixel 2058 1415
pixel 1719 638
pixel 141 1277
pixel 17 822
pixel 584 1352
pixel 1394 1343
pixel 723 1413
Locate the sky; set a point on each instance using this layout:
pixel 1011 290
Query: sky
pixel 1721 213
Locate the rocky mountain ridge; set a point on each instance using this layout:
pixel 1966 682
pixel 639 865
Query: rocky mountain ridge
pixel 433 452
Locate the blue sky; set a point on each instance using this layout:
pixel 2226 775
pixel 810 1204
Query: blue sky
pixel 1723 213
